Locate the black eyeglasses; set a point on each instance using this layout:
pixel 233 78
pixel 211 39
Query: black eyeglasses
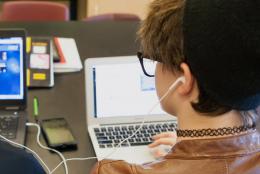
pixel 148 66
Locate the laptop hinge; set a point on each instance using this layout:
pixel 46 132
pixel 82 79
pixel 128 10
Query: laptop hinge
pixel 12 108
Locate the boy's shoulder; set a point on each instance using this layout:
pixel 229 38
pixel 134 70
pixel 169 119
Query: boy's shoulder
pixel 17 160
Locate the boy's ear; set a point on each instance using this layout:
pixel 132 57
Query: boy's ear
pixel 186 88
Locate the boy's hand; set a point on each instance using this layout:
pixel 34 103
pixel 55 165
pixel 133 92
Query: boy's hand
pixel 162 143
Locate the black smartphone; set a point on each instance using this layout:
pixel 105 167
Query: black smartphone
pixel 58 135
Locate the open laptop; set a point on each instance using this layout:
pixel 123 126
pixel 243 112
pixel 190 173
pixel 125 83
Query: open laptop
pixel 118 98
pixel 13 84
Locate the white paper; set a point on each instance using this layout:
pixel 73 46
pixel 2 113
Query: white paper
pixel 72 60
pixel 40 61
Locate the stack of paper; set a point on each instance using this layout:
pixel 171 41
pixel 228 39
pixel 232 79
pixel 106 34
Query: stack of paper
pixel 69 56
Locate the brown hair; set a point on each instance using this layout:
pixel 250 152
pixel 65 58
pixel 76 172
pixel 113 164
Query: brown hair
pixel 161 36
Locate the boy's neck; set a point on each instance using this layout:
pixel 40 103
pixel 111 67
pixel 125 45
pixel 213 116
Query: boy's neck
pixel 190 119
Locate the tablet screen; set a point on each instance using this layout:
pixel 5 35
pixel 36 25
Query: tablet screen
pixel 11 68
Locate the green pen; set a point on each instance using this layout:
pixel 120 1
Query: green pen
pixel 35 108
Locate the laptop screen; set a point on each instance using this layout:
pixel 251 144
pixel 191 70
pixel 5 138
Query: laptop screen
pixel 123 90
pixel 11 68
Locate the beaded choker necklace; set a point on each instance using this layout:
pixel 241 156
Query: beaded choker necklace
pixel 214 132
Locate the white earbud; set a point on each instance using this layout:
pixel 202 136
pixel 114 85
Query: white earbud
pixel 174 84
pixel 172 87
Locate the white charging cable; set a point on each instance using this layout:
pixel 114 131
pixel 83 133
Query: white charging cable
pixel 64 160
pixel 42 146
pixel 47 148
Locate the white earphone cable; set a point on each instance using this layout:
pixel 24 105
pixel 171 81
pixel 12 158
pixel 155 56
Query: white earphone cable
pixel 171 88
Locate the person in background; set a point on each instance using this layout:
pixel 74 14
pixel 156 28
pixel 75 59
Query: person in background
pixel 215 46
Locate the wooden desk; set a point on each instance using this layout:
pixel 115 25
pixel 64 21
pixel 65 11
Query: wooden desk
pixel 67 97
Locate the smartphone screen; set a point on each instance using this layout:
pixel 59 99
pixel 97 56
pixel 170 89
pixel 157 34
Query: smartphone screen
pixel 57 132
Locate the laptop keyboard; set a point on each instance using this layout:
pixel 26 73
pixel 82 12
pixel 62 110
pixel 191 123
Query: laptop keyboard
pixel 8 126
pixel 111 136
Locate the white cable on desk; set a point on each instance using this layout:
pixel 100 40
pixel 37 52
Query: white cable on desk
pixel 47 148
pixel 64 160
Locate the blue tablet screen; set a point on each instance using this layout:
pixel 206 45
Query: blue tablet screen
pixel 11 68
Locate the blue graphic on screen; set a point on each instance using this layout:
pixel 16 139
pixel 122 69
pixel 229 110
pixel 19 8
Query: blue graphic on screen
pixel 10 77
